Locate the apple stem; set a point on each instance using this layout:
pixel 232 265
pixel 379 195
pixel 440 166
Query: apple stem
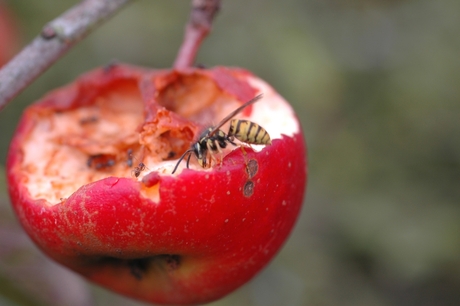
pixel 56 38
pixel 196 30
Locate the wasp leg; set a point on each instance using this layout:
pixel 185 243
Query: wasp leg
pixel 230 140
pixel 244 145
pixel 188 159
pixel 208 144
pixel 220 152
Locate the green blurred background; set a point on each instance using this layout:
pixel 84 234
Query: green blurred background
pixel 376 86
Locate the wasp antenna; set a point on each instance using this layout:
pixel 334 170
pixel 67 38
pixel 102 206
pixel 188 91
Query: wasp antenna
pixel 188 159
pixel 181 158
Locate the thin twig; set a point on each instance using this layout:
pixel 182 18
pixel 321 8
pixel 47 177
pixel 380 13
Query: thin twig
pixel 56 38
pixel 198 27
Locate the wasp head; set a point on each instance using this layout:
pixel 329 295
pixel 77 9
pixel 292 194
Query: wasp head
pixel 200 151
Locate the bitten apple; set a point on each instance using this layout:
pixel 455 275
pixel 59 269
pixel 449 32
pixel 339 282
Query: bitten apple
pixel 89 173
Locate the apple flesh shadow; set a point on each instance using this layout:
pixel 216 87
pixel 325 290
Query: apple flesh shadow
pixel 89 172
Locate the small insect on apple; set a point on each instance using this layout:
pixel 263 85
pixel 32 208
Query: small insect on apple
pixel 138 169
pixel 129 162
pixel 213 139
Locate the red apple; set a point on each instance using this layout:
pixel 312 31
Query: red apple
pixel 89 172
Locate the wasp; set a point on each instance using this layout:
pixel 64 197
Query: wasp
pixel 213 139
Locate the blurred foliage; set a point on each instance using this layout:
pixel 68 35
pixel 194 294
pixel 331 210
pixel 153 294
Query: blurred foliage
pixel 375 84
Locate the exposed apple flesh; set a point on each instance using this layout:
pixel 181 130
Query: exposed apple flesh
pixel 78 183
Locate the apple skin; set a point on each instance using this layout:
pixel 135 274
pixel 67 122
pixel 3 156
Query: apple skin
pixel 208 233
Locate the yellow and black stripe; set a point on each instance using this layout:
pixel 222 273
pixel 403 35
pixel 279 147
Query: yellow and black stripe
pixel 248 132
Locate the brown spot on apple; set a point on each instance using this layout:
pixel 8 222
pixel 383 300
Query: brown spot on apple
pixel 252 167
pixel 142 266
pixel 248 189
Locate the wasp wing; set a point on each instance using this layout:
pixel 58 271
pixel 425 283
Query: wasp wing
pixel 234 113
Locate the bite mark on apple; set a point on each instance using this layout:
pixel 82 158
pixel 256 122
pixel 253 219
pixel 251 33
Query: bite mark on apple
pixel 151 179
pixel 150 187
pixel 248 189
pixel 252 167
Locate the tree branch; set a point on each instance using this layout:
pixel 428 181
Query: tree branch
pixel 56 38
pixel 198 27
